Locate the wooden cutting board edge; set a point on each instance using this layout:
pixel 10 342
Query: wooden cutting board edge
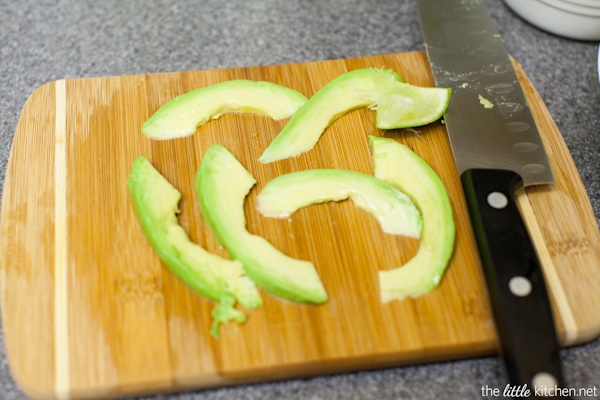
pixel 579 319
pixel 545 219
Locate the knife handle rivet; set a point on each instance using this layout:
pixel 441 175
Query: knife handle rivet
pixel 497 200
pixel 519 286
pixel 545 380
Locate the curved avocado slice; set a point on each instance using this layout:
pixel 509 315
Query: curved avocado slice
pixel 395 212
pixel 345 93
pixel 155 202
pixel 222 184
pixel 185 113
pixel 400 166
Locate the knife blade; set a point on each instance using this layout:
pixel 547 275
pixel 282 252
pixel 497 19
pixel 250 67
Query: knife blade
pixel 497 150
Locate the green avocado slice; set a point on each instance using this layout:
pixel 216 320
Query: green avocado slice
pixel 338 97
pixel 182 115
pixel 155 202
pixel 222 184
pixel 397 164
pixel 397 105
pixel 395 212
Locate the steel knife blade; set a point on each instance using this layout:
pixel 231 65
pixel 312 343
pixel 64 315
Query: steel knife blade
pixel 497 150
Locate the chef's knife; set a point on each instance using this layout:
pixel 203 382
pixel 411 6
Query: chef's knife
pixel 497 150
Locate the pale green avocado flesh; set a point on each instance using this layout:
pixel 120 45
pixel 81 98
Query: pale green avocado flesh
pixel 397 164
pixel 182 115
pixel 395 212
pixel 396 104
pixel 222 185
pixel 343 94
pixel 155 202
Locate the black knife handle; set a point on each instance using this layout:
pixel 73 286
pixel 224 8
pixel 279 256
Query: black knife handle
pixel 515 281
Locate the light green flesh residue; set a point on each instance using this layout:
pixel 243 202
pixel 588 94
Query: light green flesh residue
pixel 485 102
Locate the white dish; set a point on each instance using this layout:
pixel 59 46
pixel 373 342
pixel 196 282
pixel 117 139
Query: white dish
pixel 574 19
pixel 586 3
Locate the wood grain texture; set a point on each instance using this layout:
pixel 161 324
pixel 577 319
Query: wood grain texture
pixel 90 312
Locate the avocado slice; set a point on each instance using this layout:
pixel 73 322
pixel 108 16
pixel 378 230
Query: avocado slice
pixel 155 202
pixel 222 184
pixel 182 115
pixel 397 164
pixel 397 105
pixel 395 212
pixel 343 94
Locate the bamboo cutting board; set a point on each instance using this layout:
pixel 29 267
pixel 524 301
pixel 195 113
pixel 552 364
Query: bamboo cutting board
pixel 89 311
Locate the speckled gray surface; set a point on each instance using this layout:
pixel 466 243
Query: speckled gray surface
pixel 41 41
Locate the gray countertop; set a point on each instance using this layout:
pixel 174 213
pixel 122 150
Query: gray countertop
pixel 41 41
